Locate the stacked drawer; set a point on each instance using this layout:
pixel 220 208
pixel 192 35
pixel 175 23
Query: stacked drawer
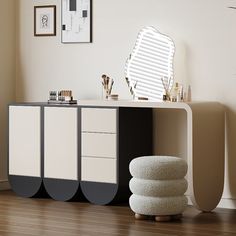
pixel 99 145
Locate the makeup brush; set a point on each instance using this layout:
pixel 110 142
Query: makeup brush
pixel 104 81
pixel 107 82
pixel 111 85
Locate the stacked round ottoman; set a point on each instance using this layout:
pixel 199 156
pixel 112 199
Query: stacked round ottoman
pixel 158 187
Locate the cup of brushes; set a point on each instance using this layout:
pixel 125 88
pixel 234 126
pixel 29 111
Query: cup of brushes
pixel 107 84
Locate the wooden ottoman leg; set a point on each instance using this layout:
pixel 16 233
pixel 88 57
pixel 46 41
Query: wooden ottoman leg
pixel 162 218
pixel 140 217
pixel 176 217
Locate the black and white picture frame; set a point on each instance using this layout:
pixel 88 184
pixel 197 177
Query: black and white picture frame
pixel 76 21
pixel 45 20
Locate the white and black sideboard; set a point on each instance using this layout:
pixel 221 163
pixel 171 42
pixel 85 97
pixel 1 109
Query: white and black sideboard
pixel 85 149
pixel 76 151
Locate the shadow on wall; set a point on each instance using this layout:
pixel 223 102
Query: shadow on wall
pixel 181 63
pixel 20 86
pixel 7 77
pixel 231 149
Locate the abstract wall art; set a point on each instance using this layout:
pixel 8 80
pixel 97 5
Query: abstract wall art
pixel 45 20
pixel 76 21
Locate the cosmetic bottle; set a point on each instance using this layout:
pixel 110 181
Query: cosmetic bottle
pixel 174 92
pixel 180 95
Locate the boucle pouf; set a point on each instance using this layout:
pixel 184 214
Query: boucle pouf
pixel 158 167
pixel 158 187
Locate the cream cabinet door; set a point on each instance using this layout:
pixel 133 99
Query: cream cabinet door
pixel 24 141
pixel 60 143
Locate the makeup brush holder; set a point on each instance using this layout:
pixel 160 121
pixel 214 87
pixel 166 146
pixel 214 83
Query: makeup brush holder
pixel 107 84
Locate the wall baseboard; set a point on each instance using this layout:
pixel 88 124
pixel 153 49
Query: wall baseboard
pixel 226 203
pixel 4 185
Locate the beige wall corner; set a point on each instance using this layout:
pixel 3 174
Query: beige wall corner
pixel 7 75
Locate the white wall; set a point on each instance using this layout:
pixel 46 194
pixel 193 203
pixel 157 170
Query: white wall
pixel 7 77
pixel 204 32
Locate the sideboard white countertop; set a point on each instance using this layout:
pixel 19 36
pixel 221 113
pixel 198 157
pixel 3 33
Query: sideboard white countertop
pixel 143 103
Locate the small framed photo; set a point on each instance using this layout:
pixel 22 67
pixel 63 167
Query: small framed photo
pixel 45 20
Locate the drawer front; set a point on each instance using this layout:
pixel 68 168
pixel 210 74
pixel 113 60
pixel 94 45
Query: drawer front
pixel 99 145
pixel 24 141
pixel 99 170
pixel 98 120
pixel 60 143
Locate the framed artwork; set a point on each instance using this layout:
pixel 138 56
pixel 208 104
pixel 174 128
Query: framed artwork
pixel 45 20
pixel 76 21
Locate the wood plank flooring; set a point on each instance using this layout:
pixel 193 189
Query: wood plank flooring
pixel 26 217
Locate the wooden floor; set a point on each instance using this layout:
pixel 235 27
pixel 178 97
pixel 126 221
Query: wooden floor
pixel 21 217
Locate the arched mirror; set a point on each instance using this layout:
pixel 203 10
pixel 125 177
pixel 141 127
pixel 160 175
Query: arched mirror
pixel 150 62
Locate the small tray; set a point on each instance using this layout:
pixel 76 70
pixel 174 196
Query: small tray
pixel 62 102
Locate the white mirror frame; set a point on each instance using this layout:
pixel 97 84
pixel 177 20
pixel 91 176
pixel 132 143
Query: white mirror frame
pixel 150 61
